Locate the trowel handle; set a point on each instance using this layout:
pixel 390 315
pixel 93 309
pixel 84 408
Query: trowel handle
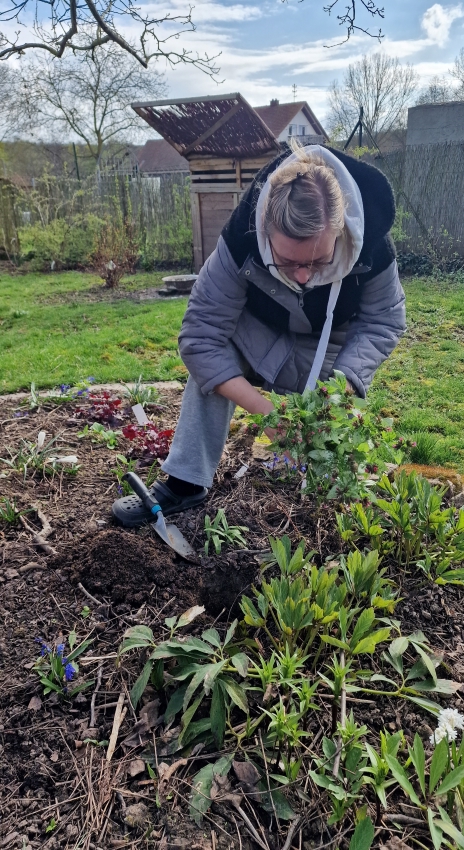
pixel 142 492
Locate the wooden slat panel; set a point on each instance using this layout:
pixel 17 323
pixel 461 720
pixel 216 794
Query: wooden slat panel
pixel 217 202
pixel 211 164
pixel 217 188
pixel 215 210
pixel 257 162
pixel 209 245
pixel 225 177
pixel 196 232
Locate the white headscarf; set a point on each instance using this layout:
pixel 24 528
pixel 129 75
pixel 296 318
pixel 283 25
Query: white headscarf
pixel 347 251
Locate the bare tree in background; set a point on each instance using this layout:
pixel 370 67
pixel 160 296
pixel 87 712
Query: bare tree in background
pixel 86 95
pixel 439 90
pixel 381 85
pixel 53 25
pixel 458 73
pixel 6 79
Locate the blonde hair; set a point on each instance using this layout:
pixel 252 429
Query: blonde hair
pixel 305 198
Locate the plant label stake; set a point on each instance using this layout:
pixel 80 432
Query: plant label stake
pixel 140 414
pixel 169 533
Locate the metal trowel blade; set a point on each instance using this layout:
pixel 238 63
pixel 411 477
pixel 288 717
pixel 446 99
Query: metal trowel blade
pixel 173 537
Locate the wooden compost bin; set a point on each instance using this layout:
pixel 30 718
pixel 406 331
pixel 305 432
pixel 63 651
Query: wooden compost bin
pixel 225 143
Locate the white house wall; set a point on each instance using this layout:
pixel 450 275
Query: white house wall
pixel 300 119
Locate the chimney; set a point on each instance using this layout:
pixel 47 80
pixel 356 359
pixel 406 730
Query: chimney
pixel 274 102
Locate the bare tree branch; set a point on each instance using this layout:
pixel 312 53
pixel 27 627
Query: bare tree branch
pixel 61 27
pixel 348 18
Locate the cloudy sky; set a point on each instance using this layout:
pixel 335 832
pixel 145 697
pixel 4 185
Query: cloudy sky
pixel 267 46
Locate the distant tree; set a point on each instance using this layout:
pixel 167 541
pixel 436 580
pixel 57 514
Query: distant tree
pixel 6 76
pixel 381 85
pixel 439 90
pixel 458 73
pixel 57 28
pixel 85 96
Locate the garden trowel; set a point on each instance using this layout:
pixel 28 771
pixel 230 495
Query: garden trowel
pixel 168 532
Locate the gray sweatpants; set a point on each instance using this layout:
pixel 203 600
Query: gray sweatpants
pixel 200 437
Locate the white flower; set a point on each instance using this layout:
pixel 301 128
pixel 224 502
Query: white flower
pixel 449 721
pixel 451 717
pixel 41 439
pixel 443 732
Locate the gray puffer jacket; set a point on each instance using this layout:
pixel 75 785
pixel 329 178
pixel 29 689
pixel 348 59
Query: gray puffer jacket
pixel 239 316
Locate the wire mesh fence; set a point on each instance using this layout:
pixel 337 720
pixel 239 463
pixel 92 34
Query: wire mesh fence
pixel 428 181
pixel 58 219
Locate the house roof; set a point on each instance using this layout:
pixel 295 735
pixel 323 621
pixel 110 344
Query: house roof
pixel 157 156
pixel 217 125
pixel 278 116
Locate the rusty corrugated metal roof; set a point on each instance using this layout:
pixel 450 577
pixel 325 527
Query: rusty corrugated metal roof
pixel 221 125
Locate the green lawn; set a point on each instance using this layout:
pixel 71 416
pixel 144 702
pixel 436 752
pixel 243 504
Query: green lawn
pixel 422 383
pixel 51 332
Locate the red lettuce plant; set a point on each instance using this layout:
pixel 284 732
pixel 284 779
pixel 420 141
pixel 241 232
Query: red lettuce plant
pixel 149 440
pixel 103 407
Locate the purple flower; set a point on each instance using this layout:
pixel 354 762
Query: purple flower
pixel 64 388
pixel 91 380
pixel 303 468
pixel 44 648
pixel 69 672
pixel 60 648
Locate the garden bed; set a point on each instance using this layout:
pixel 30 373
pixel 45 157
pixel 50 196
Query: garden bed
pixel 58 789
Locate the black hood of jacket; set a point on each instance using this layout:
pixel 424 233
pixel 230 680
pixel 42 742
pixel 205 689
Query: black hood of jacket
pixel 378 201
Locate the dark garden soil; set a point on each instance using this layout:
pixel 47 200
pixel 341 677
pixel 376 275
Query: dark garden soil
pixel 58 790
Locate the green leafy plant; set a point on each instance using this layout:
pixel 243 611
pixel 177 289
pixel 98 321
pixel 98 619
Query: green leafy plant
pixel 377 774
pixel 99 434
pixel 411 525
pixel 140 393
pixel 332 437
pixel 304 601
pixel 123 465
pixel 56 670
pixel 9 513
pixel 219 532
pixel 206 665
pixel 341 769
pixel 436 788
pixel 36 457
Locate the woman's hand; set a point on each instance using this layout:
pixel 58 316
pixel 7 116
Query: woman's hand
pixel 242 393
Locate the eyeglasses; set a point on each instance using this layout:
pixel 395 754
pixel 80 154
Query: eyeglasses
pixel 293 267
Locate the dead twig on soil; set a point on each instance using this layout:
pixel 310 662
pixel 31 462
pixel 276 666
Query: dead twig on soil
pixel 94 696
pixel 296 824
pixel 92 598
pixel 39 537
pixel 119 716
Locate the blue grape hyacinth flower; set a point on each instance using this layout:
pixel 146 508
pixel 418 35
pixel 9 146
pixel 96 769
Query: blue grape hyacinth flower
pixel 69 672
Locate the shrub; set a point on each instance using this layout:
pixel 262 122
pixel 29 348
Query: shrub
pixel 60 244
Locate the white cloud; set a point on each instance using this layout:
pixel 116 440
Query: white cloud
pixel 205 11
pixel 437 20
